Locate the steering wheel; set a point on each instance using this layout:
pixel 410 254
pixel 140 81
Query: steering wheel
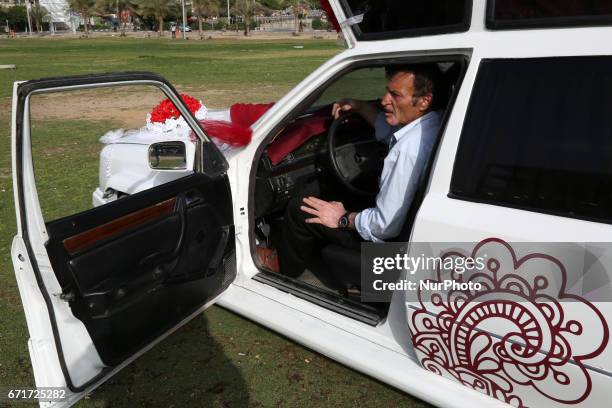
pixel 356 164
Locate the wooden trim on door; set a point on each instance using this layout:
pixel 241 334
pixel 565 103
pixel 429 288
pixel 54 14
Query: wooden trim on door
pixel 89 238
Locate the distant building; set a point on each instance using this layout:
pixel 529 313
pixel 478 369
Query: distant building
pixel 8 3
pixel 61 17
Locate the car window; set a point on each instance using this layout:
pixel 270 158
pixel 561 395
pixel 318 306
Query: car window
pixel 538 136
pixel 93 146
pixel 543 13
pixel 376 19
pixel 364 84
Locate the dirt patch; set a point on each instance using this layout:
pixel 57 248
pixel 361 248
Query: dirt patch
pixel 271 55
pixel 127 107
pixel 9 294
pixel 92 150
pixel 5 109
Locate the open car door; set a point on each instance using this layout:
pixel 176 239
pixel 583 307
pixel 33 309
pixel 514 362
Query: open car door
pixel 101 286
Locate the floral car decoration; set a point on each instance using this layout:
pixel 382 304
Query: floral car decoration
pixel 166 121
pixel 166 109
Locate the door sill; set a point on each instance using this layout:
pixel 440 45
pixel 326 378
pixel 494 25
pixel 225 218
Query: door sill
pixel 353 309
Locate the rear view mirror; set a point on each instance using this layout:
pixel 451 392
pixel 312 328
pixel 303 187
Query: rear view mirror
pixel 168 156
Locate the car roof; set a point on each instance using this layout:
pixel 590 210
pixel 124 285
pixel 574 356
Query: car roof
pixel 559 36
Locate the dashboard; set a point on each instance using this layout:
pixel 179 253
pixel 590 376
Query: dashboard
pixel 276 184
pixel 297 162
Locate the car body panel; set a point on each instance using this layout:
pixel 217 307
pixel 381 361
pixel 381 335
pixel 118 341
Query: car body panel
pixel 477 44
pixel 126 170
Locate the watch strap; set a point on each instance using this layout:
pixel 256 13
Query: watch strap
pixel 345 222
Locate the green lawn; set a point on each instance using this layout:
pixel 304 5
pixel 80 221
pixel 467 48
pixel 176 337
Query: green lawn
pixel 219 359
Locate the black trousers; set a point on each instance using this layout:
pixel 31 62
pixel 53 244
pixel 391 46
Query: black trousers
pixel 301 241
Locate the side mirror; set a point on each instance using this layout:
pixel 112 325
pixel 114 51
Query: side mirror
pixel 168 156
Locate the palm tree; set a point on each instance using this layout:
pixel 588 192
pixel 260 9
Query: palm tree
pixel 85 8
pixel 296 6
pixel 158 9
pixel 116 6
pixel 204 8
pixel 39 15
pixel 248 9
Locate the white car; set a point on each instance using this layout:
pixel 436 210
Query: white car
pixel 520 175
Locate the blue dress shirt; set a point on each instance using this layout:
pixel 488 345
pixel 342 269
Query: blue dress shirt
pixel 410 148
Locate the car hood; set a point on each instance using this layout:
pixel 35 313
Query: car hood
pixel 143 137
pixel 160 133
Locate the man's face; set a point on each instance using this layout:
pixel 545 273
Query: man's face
pixel 399 106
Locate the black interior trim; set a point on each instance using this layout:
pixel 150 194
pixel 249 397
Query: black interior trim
pixel 344 306
pixel 156 275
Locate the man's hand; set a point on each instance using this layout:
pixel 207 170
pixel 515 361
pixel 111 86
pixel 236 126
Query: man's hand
pixel 325 212
pixel 345 105
pixel 369 110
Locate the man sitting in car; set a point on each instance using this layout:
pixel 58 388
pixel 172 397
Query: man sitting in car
pixel 404 120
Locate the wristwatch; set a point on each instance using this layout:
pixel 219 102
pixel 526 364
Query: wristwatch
pixel 344 222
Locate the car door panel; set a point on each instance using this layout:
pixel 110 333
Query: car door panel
pixel 120 286
pixel 117 277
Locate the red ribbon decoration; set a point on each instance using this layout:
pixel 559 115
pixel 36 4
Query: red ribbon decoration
pixel 226 132
pixel 237 132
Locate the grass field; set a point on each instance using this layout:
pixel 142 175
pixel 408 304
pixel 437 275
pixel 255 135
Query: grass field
pixel 219 359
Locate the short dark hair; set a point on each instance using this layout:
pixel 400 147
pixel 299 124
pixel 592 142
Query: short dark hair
pixel 426 76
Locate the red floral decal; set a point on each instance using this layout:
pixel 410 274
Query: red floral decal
pixel 542 334
pixel 166 109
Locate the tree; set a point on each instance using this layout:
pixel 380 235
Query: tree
pixel 17 17
pixel 117 7
pixel 271 4
pixel 297 7
pixel 85 8
pixel 160 9
pixel 40 15
pixel 248 9
pixel 204 8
